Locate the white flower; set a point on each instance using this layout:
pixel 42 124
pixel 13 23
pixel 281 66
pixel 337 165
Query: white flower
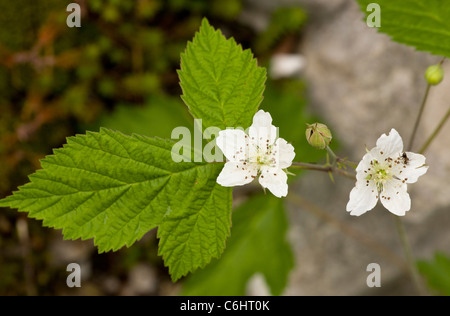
pixel 383 174
pixel 258 154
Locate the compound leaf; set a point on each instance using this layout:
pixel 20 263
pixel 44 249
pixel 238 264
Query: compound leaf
pixel 222 83
pixel 257 245
pixel 115 188
pixel 424 25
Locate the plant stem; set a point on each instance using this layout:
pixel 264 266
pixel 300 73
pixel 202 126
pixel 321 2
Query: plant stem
pixel 340 160
pixel 436 131
pixel 398 222
pixel 414 273
pixel 310 166
pixel 332 154
pixel 419 116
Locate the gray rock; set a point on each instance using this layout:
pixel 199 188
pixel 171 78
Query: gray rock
pixel 363 84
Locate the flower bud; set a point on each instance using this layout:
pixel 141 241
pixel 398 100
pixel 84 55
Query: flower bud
pixel 318 135
pixel 434 74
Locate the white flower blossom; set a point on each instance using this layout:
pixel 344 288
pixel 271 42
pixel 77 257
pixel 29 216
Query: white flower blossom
pixel 258 154
pixel 383 174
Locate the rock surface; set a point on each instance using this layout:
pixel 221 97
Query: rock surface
pixel 363 84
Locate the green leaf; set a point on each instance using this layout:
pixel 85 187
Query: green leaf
pixel 424 25
pixel 437 273
pixel 222 84
pixel 115 188
pixel 257 244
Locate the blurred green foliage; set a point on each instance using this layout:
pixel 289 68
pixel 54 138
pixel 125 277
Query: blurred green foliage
pixel 284 21
pixel 118 70
pixel 157 117
pixel 257 245
pixel 437 273
pixel 286 101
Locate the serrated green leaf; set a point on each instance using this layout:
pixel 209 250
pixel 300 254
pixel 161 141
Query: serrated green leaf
pixel 424 25
pixel 437 273
pixel 115 188
pixel 222 84
pixel 257 244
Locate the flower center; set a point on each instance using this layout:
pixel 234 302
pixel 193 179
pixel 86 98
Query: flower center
pixel 379 173
pixel 262 157
pixel 265 156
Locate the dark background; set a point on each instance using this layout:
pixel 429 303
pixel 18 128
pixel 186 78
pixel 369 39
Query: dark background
pixel 117 70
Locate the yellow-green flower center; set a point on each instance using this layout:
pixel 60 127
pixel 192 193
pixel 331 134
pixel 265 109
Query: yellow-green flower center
pixel 265 156
pixel 379 173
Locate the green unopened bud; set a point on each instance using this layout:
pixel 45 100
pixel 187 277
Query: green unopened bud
pixel 434 74
pixel 318 135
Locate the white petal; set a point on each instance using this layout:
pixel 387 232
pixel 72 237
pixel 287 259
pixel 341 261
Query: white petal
pixel 415 167
pixel 409 169
pixel 364 167
pixel 363 198
pixel 275 180
pixel 283 153
pixel 413 174
pixel 395 198
pixel 262 132
pixel 234 144
pixel 389 145
pixel 234 174
pixel 415 160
